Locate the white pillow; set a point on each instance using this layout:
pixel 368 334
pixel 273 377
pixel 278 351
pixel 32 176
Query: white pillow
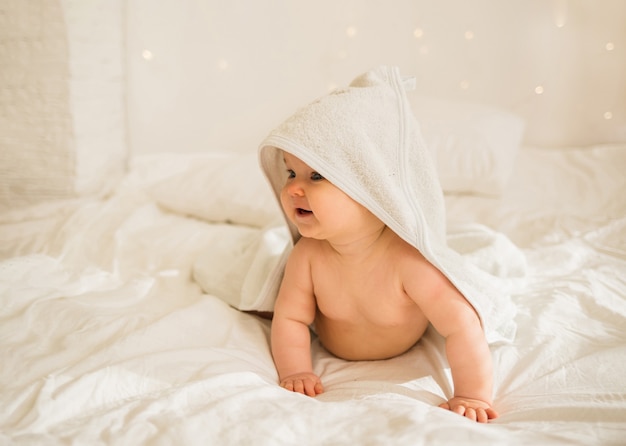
pixel 62 130
pixel 475 145
pixel 244 267
pixel 229 189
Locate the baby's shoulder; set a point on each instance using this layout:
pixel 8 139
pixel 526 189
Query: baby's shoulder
pixel 410 261
pixel 404 251
pixel 419 277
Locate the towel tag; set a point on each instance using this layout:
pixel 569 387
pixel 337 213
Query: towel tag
pixel 409 83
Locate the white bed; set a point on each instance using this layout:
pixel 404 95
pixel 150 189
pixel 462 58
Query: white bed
pixel 134 217
pixel 106 337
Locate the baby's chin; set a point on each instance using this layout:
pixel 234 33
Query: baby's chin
pixel 308 233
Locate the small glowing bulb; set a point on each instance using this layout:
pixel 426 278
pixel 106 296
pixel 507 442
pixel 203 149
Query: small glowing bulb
pixel 560 8
pixel 464 84
pixel 223 64
pixel 469 35
pixel 539 89
pixel 147 54
pixel 418 33
pixel 609 46
pixel 608 115
pixel 350 31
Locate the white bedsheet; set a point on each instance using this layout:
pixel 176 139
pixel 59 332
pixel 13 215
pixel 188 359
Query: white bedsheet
pixel 106 339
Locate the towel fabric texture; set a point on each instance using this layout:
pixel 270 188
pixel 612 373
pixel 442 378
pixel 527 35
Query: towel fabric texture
pixel 365 140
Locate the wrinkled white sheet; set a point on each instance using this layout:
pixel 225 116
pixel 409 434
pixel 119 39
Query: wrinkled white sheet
pixel 105 338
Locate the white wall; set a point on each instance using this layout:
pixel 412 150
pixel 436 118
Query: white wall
pixel 214 75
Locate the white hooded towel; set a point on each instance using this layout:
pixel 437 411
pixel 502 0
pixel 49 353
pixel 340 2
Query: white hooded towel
pixel 365 140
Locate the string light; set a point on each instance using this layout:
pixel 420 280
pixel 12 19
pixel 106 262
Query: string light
pixel 560 13
pixel 560 20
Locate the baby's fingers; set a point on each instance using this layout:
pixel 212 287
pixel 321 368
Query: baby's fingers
pixel 491 413
pixel 459 410
pixel 304 385
pixel 287 385
pixel 312 388
pixel 470 413
pixel 479 414
pixel 319 388
pixel 298 386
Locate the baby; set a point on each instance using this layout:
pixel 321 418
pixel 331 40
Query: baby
pixel 370 268
pixel 369 294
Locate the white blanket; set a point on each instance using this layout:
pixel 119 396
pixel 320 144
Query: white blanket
pixel 106 339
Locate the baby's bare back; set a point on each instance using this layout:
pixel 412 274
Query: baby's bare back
pixel 363 312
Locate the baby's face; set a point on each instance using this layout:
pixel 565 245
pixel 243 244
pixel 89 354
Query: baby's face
pixel 318 208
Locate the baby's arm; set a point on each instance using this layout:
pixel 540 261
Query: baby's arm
pixel 466 347
pixel 294 311
pixel 470 362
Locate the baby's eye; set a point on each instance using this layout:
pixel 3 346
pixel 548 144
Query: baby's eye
pixel 291 173
pixel 316 176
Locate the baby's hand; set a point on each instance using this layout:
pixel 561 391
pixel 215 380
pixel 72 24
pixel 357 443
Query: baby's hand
pixel 475 410
pixel 305 383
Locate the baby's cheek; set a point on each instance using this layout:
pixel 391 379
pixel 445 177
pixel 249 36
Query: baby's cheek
pixel 284 199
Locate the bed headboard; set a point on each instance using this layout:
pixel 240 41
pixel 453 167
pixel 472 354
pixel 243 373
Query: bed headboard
pixel 213 75
pixel 62 107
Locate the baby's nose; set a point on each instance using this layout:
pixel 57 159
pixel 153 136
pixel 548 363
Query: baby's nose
pixel 294 189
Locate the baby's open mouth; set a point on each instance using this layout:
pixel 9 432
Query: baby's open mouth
pixel 301 211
